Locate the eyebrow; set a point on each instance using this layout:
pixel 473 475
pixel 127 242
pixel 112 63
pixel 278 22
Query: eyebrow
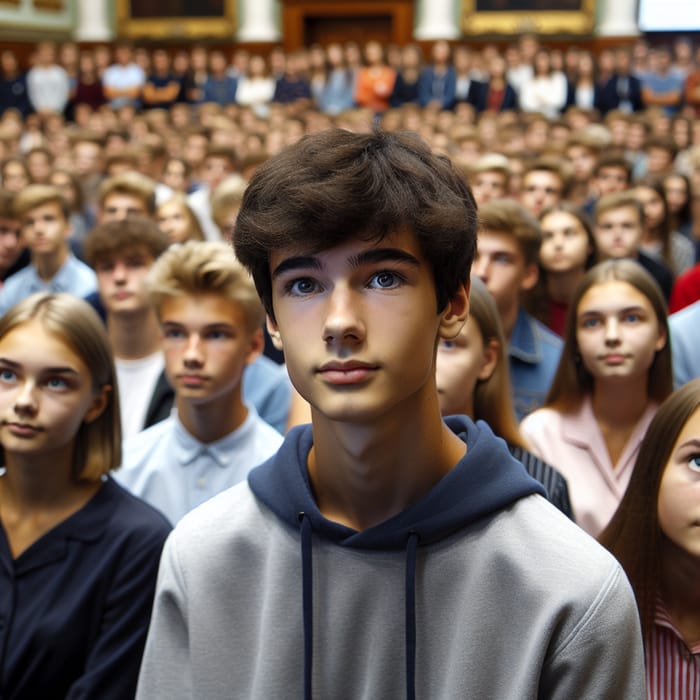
pixel 366 257
pixel 693 442
pixel 50 370
pixel 209 326
pixel 626 310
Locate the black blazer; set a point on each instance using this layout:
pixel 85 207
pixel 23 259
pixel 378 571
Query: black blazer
pixel 609 96
pixel 481 101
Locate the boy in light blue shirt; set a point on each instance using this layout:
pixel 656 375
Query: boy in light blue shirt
pixel 211 324
pixel 45 229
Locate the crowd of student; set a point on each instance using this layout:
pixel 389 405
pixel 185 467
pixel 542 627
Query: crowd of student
pixel 586 173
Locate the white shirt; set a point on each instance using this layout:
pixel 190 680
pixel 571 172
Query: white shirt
pixel 201 206
pixel 137 380
pixel 48 88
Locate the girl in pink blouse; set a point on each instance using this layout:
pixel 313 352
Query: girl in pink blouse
pixel 655 534
pixel 615 369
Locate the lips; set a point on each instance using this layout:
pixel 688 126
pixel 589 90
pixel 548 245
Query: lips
pixel 192 380
pixel 614 358
pixel 346 373
pixel 22 429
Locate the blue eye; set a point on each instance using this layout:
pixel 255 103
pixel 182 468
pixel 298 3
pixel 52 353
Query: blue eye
pixel 173 333
pixel 7 375
pixel 56 383
pixel 301 286
pixel 694 462
pixel 447 344
pixel 218 335
pixel 590 322
pixel 385 280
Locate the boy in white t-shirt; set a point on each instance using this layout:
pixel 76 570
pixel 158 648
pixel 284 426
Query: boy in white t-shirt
pixel 122 253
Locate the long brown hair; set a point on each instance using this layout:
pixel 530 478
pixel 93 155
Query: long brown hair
pixel 634 535
pixel 493 398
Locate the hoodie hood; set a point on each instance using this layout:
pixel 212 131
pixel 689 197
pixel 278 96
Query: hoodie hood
pixel 484 481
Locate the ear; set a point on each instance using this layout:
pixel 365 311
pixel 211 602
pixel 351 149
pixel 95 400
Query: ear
pixel 454 315
pixel 532 274
pixel 274 333
pixel 257 345
pixel 99 404
pixel 490 359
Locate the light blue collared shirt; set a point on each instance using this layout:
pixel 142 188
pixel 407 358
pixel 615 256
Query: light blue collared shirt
pixel 174 472
pixel 73 277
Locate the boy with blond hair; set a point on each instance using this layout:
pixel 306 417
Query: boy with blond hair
pixel 211 328
pixel 127 194
pixel 44 217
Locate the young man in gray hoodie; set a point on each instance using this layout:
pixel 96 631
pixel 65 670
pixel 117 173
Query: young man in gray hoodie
pixel 383 552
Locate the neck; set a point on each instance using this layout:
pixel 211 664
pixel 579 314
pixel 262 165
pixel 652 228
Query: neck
pixel 363 474
pixel 561 285
pixel 133 336
pixel 622 403
pixel 48 265
pixel 213 420
pixel 37 482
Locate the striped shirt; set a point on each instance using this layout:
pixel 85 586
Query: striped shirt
pixel 673 669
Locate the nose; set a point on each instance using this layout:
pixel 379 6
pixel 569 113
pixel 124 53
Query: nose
pixel 612 334
pixel 26 400
pixel 119 271
pixel 193 355
pixel 342 323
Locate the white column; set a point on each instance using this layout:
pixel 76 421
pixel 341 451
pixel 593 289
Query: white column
pixel 618 18
pixel 436 20
pixel 258 21
pixel 93 21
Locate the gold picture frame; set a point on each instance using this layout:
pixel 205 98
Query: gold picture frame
pixel 539 16
pixel 221 26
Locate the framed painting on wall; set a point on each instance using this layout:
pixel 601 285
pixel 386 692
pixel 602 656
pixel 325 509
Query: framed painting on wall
pixel 176 19
pixel 540 16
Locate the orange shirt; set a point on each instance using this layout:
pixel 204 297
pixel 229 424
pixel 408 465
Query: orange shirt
pixel 374 86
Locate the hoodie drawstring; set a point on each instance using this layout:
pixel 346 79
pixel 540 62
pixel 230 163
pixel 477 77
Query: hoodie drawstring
pixel 307 600
pixel 307 604
pixel 410 622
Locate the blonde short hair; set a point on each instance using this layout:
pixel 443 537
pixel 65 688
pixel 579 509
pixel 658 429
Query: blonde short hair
pixel 132 183
pixel 205 267
pixel 34 196
pixel 227 196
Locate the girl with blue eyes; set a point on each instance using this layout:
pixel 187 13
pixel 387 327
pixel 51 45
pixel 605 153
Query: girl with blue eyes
pixel 78 554
pixel 655 534
pixel 614 371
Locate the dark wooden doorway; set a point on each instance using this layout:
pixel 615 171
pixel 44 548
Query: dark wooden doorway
pixel 323 21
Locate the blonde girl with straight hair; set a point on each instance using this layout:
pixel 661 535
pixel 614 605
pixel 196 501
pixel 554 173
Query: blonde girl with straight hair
pixel 78 554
